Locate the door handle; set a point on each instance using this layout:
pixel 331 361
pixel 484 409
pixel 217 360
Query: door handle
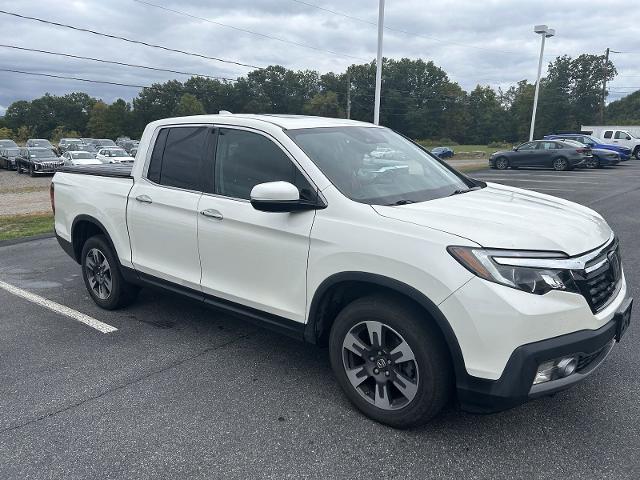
pixel 144 199
pixel 211 213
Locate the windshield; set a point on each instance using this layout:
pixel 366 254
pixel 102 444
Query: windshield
pixel 376 166
pixel 594 139
pixel 80 155
pixel 117 153
pixel 105 142
pixel 40 143
pixel 12 152
pixel 7 143
pixel 41 153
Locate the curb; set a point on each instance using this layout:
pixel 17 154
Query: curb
pixel 16 241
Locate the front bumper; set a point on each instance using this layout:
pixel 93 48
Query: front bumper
pixel 48 167
pixel 515 386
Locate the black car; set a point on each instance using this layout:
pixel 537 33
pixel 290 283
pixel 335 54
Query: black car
pixel 6 143
pixel 8 157
pixel 554 154
pixel 37 160
pixel 66 144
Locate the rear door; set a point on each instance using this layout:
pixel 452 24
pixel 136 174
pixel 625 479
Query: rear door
pixel 253 258
pixel 608 136
pixel 162 213
pixel 546 152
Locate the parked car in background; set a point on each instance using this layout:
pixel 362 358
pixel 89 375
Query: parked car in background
pixel 87 147
pixel 554 154
pixel 37 160
pixel 134 151
pixel 8 157
pixel 103 142
pixel 7 143
pixel 41 143
pixel 422 285
pixel 620 136
pixel 593 142
pixel 113 155
pixel 601 157
pixel 127 145
pixel 443 152
pixel 72 158
pixel 68 144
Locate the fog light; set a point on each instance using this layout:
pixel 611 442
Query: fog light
pixel 555 369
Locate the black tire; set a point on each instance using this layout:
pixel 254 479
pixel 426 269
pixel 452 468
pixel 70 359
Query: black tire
pixel 431 364
pixel 560 164
pixel 121 292
pixel 501 163
pixel 593 162
pixel 636 153
pixel 18 168
pixel 31 174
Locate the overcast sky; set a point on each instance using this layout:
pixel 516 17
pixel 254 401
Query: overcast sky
pixel 490 42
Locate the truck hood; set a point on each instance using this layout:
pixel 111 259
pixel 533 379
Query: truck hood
pixel 498 216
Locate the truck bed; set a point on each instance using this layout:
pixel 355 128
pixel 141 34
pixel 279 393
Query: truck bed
pixel 118 170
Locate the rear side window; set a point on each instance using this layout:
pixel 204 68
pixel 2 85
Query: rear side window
pixel 177 157
pixel 608 134
pixel 245 159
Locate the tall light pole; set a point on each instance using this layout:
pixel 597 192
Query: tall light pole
pixel 376 107
pixel 545 32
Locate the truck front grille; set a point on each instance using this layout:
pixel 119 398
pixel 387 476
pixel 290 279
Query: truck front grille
pixel 599 286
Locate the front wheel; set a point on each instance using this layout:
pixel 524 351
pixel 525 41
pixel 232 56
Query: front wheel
pixel 31 173
pixel 637 153
pixel 560 164
pixel 18 168
pixel 102 276
pixel 391 363
pixel 592 162
pixel 501 163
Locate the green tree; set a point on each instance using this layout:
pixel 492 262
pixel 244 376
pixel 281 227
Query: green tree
pixel 324 105
pixel 61 132
pixel 6 132
pixel 189 105
pixel 23 133
pixel 486 116
pixel 97 125
pixel 624 111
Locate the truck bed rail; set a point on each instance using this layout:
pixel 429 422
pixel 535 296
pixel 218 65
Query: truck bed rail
pixel 106 170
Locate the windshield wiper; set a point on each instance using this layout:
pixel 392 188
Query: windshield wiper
pixel 458 192
pixel 401 202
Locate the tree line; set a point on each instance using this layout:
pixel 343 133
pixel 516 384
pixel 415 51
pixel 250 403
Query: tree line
pixel 419 100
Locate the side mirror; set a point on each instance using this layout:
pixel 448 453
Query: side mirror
pixel 515 149
pixel 278 197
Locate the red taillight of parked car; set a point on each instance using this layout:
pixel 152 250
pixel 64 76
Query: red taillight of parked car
pixel 52 196
pixel 583 150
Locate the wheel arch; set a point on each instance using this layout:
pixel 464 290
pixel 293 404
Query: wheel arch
pixel 339 289
pixel 84 227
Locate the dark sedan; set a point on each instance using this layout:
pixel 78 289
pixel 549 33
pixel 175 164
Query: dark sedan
pixel 6 143
pixel 37 160
pixel 8 157
pixel 542 154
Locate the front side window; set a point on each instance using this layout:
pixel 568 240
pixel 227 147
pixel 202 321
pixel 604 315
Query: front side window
pixel 375 165
pixel 528 146
pixel 177 157
pixel 621 136
pixel 245 159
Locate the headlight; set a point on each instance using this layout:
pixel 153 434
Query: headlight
pixel 505 267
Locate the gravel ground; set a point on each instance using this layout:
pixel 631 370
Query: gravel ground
pixel 20 194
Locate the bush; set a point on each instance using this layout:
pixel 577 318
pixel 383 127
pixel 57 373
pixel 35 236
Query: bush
pixel 499 145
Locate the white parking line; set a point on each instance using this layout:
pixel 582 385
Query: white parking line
pixel 56 307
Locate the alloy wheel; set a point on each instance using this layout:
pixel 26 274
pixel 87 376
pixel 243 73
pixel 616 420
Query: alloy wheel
pixel 501 163
pixel 98 273
pixel 560 164
pixel 380 365
pixel 592 163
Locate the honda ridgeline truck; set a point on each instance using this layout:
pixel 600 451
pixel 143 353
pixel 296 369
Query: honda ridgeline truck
pixel 424 283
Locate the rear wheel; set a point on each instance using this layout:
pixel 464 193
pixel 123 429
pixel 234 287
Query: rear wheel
pixel 636 153
pixel 102 276
pixel 31 173
pixel 392 364
pixel 560 164
pixel 18 168
pixel 501 163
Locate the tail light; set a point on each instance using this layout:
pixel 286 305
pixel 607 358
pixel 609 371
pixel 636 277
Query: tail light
pixel 583 150
pixel 52 197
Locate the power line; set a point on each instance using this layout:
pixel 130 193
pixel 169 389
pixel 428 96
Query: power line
pixel 139 42
pixel 400 30
pixel 251 32
pixel 79 79
pixel 113 62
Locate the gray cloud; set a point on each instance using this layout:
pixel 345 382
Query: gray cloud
pixel 488 42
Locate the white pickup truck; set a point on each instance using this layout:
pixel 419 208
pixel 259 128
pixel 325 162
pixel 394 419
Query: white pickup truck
pixel 620 136
pixel 423 282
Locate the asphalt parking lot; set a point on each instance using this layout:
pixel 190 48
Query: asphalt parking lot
pixel 180 391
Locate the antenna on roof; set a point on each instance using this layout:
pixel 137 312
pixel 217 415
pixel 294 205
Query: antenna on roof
pixel 225 112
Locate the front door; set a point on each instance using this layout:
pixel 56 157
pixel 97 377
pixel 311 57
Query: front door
pixel 253 258
pixel 524 156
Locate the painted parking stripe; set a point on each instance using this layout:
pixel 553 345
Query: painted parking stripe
pixel 56 307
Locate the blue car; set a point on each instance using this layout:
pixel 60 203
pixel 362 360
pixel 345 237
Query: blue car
pixel 442 152
pixel 593 142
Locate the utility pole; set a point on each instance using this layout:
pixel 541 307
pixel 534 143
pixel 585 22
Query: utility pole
pixel 376 106
pixel 605 66
pixel 348 93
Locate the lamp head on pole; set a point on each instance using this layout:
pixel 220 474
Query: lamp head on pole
pixel 544 30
